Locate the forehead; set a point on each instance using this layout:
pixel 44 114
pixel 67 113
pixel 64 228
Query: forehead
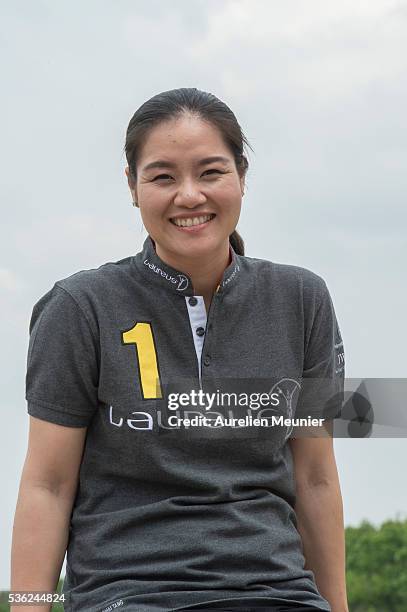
pixel 186 136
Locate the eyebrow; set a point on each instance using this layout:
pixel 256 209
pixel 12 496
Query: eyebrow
pixel 166 164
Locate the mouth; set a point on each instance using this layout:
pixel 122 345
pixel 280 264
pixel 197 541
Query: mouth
pixel 192 221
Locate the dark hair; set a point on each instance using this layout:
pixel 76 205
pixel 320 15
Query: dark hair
pixel 173 103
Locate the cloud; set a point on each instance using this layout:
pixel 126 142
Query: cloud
pixel 321 50
pixel 10 281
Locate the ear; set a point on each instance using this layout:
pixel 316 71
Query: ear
pixel 131 183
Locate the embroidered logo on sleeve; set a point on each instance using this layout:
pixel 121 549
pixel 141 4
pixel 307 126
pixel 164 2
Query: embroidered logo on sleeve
pixel 114 606
pixel 339 353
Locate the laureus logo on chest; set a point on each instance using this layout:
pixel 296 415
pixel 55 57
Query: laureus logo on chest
pixel 141 420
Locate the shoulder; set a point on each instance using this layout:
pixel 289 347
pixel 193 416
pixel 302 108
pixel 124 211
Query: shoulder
pixel 284 277
pixel 83 290
pixel 96 280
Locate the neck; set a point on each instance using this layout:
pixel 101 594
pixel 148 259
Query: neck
pixel 205 273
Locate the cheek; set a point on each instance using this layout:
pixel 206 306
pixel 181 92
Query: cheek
pixel 229 197
pixel 153 201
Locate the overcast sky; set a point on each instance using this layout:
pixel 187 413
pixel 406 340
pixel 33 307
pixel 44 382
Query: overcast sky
pixel 320 90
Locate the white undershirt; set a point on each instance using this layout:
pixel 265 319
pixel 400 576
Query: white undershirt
pixel 197 318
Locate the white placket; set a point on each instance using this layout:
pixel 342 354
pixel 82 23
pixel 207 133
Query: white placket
pixel 197 321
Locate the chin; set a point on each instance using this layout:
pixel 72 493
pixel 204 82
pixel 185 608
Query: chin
pixel 202 246
pixel 190 246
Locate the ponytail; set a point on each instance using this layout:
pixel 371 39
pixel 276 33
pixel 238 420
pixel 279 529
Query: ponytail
pixel 237 243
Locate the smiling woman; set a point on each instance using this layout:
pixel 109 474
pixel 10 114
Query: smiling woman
pixel 209 180
pixel 202 507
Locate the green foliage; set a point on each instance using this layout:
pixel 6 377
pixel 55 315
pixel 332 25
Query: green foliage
pixel 58 607
pixel 376 567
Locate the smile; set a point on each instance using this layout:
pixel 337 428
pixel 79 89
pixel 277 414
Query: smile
pixel 192 221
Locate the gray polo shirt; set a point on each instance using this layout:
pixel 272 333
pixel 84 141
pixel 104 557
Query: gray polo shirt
pixel 168 513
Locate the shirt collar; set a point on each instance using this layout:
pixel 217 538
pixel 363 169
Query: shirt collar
pixel 155 270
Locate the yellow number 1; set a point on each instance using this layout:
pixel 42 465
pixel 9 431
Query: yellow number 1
pixel 142 336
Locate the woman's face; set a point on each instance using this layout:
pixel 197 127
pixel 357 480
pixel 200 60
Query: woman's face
pixel 176 182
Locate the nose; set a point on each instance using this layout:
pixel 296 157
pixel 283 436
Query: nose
pixel 189 194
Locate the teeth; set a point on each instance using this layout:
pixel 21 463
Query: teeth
pixel 192 221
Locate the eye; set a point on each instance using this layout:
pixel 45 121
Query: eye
pixel 161 176
pixel 167 176
pixel 214 170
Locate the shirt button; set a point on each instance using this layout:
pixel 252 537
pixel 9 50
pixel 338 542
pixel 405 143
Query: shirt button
pixel 207 360
pixel 193 301
pixel 200 331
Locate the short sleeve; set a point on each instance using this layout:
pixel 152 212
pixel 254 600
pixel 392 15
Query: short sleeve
pixel 322 386
pixel 62 362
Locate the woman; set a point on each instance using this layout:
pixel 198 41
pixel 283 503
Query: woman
pixel 156 511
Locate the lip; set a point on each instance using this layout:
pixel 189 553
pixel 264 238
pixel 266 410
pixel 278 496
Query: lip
pixel 192 228
pixel 201 214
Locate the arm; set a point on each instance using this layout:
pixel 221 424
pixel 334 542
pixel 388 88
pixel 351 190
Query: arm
pixel 319 513
pixel 46 494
